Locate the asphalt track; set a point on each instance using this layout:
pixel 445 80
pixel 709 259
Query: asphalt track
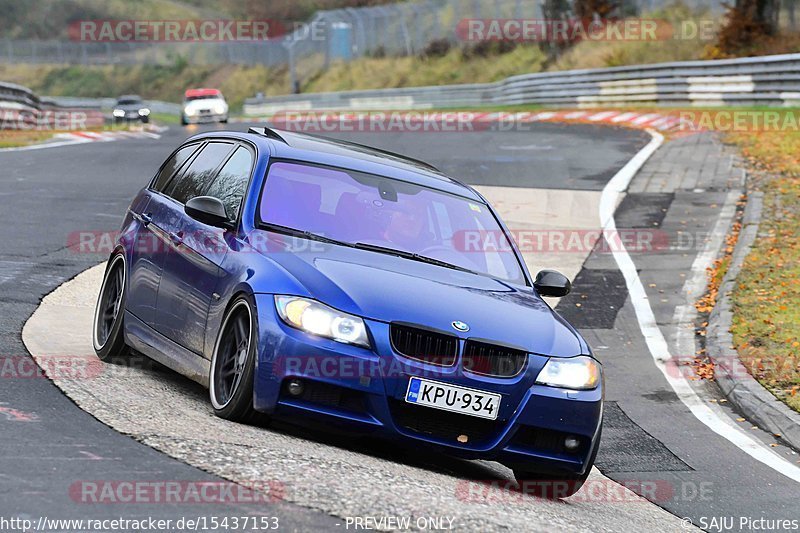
pixel 47 443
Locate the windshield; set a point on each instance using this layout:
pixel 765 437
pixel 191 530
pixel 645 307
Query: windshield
pixel 203 97
pixel 129 102
pixel 358 208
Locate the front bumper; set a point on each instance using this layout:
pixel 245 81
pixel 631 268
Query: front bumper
pixel 205 118
pixel 363 391
pixel 131 117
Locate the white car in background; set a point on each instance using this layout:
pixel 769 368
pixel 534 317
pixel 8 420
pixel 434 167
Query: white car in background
pixel 204 105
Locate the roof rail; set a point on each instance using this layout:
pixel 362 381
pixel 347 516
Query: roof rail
pixel 394 155
pixel 267 132
pixel 273 134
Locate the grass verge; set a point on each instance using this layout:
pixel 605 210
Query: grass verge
pixel 766 320
pixel 16 139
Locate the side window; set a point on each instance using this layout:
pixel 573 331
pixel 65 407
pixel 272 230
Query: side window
pixel 231 182
pixel 196 178
pixel 173 164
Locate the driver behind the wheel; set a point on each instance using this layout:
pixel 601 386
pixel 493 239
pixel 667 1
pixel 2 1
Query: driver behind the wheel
pixel 407 226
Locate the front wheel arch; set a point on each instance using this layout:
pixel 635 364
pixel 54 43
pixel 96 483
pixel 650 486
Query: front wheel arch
pixel 238 406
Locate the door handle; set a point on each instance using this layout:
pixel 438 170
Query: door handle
pixel 146 218
pixel 176 238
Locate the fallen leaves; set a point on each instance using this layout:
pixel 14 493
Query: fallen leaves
pixel 703 368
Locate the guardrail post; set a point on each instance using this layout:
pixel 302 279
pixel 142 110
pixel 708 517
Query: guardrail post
pixel 404 31
pixel 294 84
pixel 437 24
pixel 360 33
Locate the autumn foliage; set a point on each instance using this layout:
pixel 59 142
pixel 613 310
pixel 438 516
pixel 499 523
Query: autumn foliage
pixel 748 22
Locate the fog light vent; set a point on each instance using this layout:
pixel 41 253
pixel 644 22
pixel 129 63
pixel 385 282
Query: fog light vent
pixel 295 387
pixel 572 443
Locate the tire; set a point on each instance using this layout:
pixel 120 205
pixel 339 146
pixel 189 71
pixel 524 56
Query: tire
pixel 224 121
pixel 555 486
pixel 230 381
pixel 184 122
pixel 145 120
pixel 108 326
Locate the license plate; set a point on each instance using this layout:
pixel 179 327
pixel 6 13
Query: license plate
pixel 453 398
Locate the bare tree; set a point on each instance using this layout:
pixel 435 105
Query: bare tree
pixel 554 10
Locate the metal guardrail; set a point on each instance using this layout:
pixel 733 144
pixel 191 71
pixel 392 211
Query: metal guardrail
pixel 21 108
pixel 156 106
pixel 17 97
pixel 765 80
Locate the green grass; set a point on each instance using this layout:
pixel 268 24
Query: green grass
pixel 15 139
pixel 766 320
pixel 165 118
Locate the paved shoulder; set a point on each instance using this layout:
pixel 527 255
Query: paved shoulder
pixel 680 200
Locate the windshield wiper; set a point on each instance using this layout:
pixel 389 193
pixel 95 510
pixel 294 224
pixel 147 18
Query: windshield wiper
pixel 410 255
pixel 294 232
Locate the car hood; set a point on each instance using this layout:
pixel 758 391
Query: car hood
pixel 388 288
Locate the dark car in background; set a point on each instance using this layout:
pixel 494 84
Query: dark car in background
pixel 131 108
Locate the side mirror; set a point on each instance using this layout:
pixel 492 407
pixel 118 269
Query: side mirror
pixel 208 210
pixel 552 283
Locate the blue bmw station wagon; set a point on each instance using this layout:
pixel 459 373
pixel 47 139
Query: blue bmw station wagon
pixel 316 280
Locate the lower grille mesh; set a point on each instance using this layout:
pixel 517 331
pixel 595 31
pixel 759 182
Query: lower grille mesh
pixel 442 424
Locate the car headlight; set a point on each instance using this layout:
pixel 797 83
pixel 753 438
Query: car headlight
pixel 118 113
pixel 190 112
pixel 579 373
pixel 144 112
pixel 317 318
pixel 220 109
